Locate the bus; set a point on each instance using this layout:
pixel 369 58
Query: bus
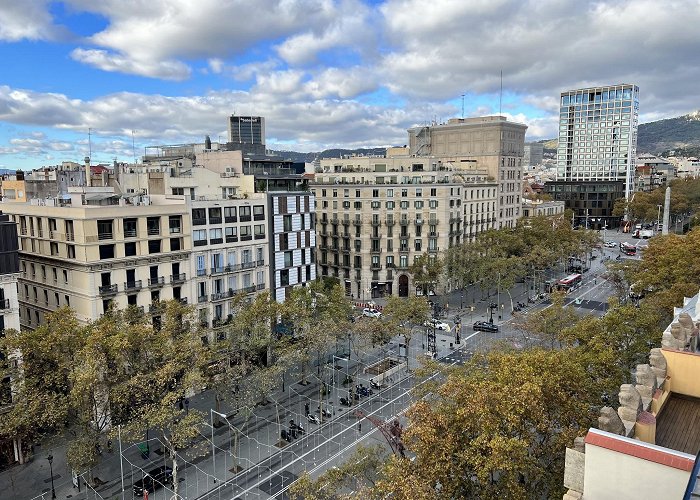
pixel 628 249
pixel 571 282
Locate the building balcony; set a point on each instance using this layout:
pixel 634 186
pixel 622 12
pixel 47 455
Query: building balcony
pixel 375 250
pixel 108 289
pixel 130 286
pixel 222 295
pixel 217 270
pixel 175 230
pixel 183 300
pixel 258 216
pixel 376 223
pixel 130 233
pixel 200 243
pixel 404 222
pixel 247 265
pixel 230 218
pixel 249 289
pixel 201 299
pixel 335 220
pixel 215 220
pixel 346 222
pixel 433 222
pixel 199 222
pixel 390 222
pixel 419 222
pixel 260 262
pixel 153 231
pixel 216 241
pixel 178 278
pixel 157 307
pixel 375 267
pixel 156 282
pixel 260 286
pixel 357 222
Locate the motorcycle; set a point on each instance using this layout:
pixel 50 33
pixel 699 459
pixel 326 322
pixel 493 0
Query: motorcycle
pixel 374 384
pixel 345 402
pixel 296 427
pixel 312 418
pixel 325 412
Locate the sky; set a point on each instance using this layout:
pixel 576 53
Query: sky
pixel 115 76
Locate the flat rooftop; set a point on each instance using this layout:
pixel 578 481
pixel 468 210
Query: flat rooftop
pixel 678 424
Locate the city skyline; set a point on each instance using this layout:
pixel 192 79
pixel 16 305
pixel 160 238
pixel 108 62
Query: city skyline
pixel 323 73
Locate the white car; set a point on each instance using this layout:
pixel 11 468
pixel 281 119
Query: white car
pixel 371 313
pixel 439 325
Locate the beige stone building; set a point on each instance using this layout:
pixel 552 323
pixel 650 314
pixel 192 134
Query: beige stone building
pixel 100 249
pixel 490 143
pixel 377 214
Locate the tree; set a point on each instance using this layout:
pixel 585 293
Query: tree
pixel 426 271
pixel 39 363
pixel 497 428
pixel 548 324
pixel 359 473
pixel 404 313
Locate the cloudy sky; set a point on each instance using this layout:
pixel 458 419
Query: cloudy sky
pixel 324 73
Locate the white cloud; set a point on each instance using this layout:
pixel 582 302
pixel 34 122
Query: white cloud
pixel 216 65
pixel 108 61
pixel 28 19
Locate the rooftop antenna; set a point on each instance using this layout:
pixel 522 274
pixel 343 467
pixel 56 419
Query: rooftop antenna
pixel 133 146
pixel 462 106
pixel 500 95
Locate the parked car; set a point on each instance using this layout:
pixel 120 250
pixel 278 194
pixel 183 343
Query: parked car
pixel 485 326
pixel 437 324
pixel 157 478
pixel 371 313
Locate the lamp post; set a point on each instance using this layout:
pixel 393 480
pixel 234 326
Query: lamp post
pixel 53 489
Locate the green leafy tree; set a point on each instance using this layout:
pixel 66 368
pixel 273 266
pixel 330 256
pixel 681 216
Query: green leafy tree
pixel 426 271
pixel 406 313
pixel 537 401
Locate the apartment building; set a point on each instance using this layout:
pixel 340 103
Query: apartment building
pixel 490 143
pixel 230 253
pixel 597 146
pixel 98 249
pixel 293 240
pixel 378 214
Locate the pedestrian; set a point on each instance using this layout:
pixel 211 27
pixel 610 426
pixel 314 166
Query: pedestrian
pixel 306 408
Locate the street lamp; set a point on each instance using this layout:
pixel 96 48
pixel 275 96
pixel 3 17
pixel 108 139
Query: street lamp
pixel 53 489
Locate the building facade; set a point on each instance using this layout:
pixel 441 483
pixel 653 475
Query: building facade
pixel 598 139
pixel 378 214
pixel 490 143
pixel 247 134
pixel 89 255
pixel 292 241
pixel 533 154
pixel 542 208
pixel 592 202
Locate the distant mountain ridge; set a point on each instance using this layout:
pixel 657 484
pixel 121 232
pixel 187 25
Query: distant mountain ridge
pixel 680 135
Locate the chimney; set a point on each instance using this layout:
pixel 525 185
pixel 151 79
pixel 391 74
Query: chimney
pixel 88 180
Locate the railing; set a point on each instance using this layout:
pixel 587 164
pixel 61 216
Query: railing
pixel 105 236
pixel 231 238
pixel 260 236
pixel 404 222
pixel 222 295
pixel 155 282
pixel 261 262
pixel 199 222
pixel 247 265
pixel 259 217
pixel 375 267
pixel 216 241
pixel 230 218
pixel 201 272
pixel 130 233
pixel 202 298
pixel 375 250
pixel 132 285
pixel 156 307
pixel 345 222
pixel 376 222
pixel 175 230
pixel 245 218
pixel 357 222
pixel 246 237
pixel 200 243
pixel 249 289
pixel 419 222
pixel 152 231
pixel 690 488
pixel 108 289
pixel 214 220
pixel 217 270
pixel 260 286
pixel 390 222
pixel 178 278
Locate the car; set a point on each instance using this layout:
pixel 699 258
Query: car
pixel 485 326
pixel 437 324
pixel 151 481
pixel 371 313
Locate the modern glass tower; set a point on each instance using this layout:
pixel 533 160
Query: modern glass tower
pixel 598 135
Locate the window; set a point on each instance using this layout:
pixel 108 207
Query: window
pixel 71 251
pixel 199 237
pixel 104 229
pixel 54 248
pixel 216 236
pixel 230 214
pixel 418 204
pixel 403 261
pixel 153 225
pixel 130 228
pixel 215 215
pixel 259 230
pixel 106 251
pixel 245 233
pixel 260 255
pixel 231 234
pixel 200 263
pixel 390 205
pixel 404 205
pixel 244 213
pixel 175 224
pixel 65 276
pixel 258 212
pixel 418 246
pixel 389 193
pixel 433 204
pixel 130 249
pixel 175 244
pixel 154 246
pixel 284 277
pixel 199 216
pixel 288 258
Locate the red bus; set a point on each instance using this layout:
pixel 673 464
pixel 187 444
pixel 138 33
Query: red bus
pixel 571 282
pixel 628 249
